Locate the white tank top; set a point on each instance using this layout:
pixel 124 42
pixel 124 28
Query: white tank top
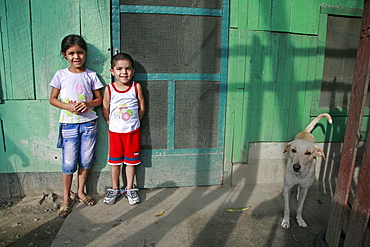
pixel 124 109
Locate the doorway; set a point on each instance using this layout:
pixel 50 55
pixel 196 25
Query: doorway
pixel 180 54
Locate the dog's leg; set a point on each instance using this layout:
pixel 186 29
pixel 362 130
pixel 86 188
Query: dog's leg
pixel 302 198
pixel 286 220
pixel 298 192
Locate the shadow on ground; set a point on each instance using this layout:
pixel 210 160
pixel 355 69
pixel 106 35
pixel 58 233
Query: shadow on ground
pixel 197 216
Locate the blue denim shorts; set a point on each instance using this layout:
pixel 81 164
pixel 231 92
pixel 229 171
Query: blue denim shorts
pixel 78 145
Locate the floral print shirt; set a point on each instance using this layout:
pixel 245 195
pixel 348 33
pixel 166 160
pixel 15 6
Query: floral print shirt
pixel 76 87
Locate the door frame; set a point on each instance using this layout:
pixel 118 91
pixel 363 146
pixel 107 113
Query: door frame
pixel 206 153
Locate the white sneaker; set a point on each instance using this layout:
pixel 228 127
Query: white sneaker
pixel 111 196
pixel 132 196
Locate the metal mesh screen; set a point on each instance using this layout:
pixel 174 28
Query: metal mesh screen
pixel 212 4
pixel 172 43
pixel 154 123
pixel 340 58
pixel 196 118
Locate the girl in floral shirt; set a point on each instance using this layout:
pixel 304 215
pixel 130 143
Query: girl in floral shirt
pixel 76 90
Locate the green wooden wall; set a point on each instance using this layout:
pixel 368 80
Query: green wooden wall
pixel 275 70
pixel 274 74
pixel 31 35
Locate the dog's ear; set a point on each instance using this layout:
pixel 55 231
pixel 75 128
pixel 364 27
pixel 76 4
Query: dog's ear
pixel 287 147
pixel 320 153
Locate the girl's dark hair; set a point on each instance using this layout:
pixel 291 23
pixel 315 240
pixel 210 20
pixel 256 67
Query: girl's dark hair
pixel 72 40
pixel 122 56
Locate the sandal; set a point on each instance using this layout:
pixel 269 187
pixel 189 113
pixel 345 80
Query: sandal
pixel 64 211
pixel 88 200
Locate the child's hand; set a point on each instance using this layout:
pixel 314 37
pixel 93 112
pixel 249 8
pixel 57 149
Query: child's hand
pixel 71 108
pixel 81 107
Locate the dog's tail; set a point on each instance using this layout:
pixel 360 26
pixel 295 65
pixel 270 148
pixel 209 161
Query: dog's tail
pixel 310 127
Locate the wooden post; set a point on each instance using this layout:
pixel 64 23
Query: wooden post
pixel 360 211
pixel 352 135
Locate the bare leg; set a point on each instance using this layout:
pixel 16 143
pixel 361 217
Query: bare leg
pixel 82 176
pixel 67 184
pixel 115 171
pixel 130 175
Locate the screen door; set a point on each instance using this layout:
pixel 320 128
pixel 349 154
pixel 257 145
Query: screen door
pixel 180 53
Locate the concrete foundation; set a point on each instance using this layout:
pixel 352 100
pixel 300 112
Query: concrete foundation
pixel 266 165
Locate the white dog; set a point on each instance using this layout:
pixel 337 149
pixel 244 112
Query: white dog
pixel 300 169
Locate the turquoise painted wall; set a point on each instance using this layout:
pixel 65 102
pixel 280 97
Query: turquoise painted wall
pixel 275 71
pixel 276 61
pixel 31 35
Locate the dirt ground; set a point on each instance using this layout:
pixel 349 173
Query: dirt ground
pixel 33 221
pixel 29 221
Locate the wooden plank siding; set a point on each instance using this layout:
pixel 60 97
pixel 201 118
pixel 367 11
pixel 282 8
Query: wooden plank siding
pixel 293 16
pixel 273 80
pixel 29 143
pixel 275 73
pixel 49 27
pixel 276 54
pixel 32 32
pixel 17 45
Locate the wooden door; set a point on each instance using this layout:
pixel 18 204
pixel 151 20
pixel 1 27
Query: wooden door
pixel 180 54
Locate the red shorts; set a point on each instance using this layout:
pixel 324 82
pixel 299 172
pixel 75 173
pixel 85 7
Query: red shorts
pixel 124 148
